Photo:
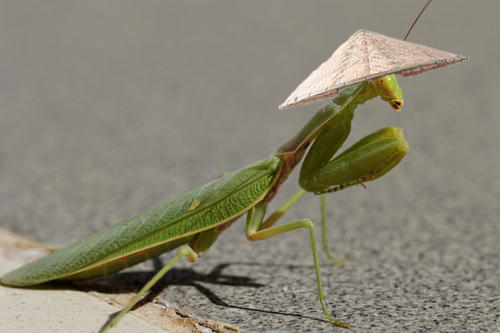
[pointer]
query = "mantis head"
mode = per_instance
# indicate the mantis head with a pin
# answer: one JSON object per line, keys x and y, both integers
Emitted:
{"x": 388, "y": 89}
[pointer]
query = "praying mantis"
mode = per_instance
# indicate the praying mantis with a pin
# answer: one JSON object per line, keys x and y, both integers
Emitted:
{"x": 192, "y": 222}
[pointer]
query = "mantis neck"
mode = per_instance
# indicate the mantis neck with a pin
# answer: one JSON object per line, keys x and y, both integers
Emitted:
{"x": 347, "y": 101}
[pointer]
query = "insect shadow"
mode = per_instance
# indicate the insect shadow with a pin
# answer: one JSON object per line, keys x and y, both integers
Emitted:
{"x": 131, "y": 282}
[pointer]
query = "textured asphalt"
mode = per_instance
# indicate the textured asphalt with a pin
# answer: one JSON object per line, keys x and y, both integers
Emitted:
{"x": 108, "y": 108}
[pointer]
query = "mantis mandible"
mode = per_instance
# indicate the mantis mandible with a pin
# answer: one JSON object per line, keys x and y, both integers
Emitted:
{"x": 192, "y": 222}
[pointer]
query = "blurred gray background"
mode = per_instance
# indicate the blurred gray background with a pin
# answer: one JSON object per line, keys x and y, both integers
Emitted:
{"x": 110, "y": 107}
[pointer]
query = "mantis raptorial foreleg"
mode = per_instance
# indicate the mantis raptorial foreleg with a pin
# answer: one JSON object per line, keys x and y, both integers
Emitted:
{"x": 368, "y": 159}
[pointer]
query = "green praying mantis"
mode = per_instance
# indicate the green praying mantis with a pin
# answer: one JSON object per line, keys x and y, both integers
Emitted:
{"x": 192, "y": 222}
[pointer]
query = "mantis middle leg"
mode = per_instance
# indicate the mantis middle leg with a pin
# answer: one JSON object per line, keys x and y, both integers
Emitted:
{"x": 292, "y": 201}
{"x": 255, "y": 232}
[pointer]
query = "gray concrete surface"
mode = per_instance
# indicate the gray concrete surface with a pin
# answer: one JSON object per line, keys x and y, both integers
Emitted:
{"x": 64, "y": 307}
{"x": 54, "y": 309}
{"x": 108, "y": 108}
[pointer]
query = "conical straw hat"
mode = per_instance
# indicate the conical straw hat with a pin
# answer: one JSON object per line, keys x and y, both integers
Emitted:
{"x": 364, "y": 56}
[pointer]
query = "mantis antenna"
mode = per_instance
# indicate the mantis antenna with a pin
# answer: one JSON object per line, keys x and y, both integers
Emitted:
{"x": 416, "y": 20}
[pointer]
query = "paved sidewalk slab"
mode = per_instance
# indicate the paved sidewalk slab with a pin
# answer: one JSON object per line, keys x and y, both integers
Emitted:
{"x": 46, "y": 309}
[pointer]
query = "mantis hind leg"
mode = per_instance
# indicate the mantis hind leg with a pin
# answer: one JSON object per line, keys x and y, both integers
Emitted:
{"x": 256, "y": 232}
{"x": 192, "y": 251}
{"x": 184, "y": 251}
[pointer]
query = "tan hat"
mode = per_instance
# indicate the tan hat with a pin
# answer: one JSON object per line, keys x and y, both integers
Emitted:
{"x": 364, "y": 56}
